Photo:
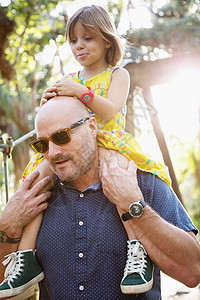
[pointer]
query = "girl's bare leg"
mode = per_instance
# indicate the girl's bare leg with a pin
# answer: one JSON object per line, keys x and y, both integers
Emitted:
{"x": 28, "y": 240}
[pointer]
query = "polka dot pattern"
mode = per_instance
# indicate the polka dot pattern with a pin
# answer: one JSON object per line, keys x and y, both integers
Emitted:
{"x": 81, "y": 243}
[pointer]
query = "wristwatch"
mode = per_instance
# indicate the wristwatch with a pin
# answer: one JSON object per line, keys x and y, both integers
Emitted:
{"x": 135, "y": 210}
{"x": 87, "y": 97}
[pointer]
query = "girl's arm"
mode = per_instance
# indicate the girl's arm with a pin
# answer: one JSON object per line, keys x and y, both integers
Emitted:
{"x": 105, "y": 108}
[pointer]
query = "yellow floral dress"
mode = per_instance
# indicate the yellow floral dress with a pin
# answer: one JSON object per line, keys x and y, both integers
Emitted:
{"x": 111, "y": 133}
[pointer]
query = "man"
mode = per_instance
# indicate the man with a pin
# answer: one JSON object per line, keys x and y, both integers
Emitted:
{"x": 81, "y": 243}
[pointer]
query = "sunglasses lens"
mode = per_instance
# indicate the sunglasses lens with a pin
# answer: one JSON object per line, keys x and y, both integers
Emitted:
{"x": 60, "y": 138}
{"x": 40, "y": 146}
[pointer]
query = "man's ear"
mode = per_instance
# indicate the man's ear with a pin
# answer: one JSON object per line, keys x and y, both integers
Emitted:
{"x": 93, "y": 126}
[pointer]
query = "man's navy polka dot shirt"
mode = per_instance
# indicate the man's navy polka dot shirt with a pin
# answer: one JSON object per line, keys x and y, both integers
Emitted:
{"x": 82, "y": 244}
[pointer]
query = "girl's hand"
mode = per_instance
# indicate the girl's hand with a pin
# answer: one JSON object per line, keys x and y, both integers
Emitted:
{"x": 48, "y": 94}
{"x": 67, "y": 87}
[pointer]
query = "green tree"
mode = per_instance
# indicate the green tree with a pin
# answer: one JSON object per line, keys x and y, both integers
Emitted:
{"x": 175, "y": 29}
{"x": 27, "y": 28}
{"x": 190, "y": 178}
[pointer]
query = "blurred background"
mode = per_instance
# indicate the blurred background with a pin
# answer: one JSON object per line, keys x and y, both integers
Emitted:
{"x": 162, "y": 55}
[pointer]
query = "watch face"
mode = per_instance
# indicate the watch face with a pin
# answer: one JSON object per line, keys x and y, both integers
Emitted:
{"x": 136, "y": 209}
{"x": 87, "y": 98}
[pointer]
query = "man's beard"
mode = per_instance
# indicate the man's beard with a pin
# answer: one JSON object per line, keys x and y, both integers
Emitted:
{"x": 83, "y": 160}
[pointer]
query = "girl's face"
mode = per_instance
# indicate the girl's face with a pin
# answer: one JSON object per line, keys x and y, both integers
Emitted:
{"x": 88, "y": 49}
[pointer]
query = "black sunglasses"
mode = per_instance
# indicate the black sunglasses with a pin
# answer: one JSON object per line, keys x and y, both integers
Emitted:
{"x": 60, "y": 137}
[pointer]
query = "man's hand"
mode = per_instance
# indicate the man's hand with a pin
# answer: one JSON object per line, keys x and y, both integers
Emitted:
{"x": 120, "y": 186}
{"x": 24, "y": 205}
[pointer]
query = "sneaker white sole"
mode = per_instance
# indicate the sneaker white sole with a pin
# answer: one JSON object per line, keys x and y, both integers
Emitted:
{"x": 138, "y": 289}
{"x": 32, "y": 290}
{"x": 22, "y": 288}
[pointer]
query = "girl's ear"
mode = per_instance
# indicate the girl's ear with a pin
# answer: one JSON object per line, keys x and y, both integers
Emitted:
{"x": 108, "y": 44}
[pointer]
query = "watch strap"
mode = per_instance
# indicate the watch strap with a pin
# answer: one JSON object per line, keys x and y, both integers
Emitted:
{"x": 126, "y": 216}
{"x": 90, "y": 93}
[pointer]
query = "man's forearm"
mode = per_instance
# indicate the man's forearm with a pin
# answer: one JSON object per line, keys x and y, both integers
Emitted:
{"x": 5, "y": 239}
{"x": 175, "y": 251}
{"x": 9, "y": 240}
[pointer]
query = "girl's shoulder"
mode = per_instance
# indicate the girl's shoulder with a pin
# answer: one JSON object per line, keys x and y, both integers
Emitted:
{"x": 117, "y": 68}
{"x": 111, "y": 70}
{"x": 119, "y": 73}
{"x": 108, "y": 72}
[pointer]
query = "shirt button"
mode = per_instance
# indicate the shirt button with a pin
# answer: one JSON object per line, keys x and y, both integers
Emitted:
{"x": 81, "y": 287}
{"x": 80, "y": 223}
{"x": 81, "y": 195}
{"x": 80, "y": 255}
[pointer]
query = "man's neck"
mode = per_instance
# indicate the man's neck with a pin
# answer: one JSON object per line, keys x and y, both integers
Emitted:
{"x": 86, "y": 180}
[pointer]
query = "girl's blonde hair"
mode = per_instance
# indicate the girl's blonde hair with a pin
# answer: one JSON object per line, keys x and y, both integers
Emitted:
{"x": 96, "y": 19}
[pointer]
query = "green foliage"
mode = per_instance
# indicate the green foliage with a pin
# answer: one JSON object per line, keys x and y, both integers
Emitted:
{"x": 175, "y": 28}
{"x": 189, "y": 177}
{"x": 115, "y": 8}
{"x": 175, "y": 35}
{"x": 35, "y": 28}
{"x": 38, "y": 25}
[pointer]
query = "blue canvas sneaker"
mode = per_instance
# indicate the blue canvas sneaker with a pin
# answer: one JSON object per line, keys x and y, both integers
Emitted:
{"x": 138, "y": 272}
{"x": 22, "y": 272}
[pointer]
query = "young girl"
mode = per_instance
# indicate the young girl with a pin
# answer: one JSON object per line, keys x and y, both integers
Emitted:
{"x": 103, "y": 88}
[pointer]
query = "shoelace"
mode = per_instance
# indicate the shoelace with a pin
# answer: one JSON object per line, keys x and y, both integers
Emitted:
{"x": 136, "y": 260}
{"x": 14, "y": 268}
{"x": 11, "y": 261}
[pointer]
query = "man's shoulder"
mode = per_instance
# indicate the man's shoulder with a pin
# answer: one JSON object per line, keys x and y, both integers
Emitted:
{"x": 153, "y": 187}
{"x": 148, "y": 180}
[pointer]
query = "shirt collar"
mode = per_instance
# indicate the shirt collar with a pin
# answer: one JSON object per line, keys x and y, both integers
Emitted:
{"x": 95, "y": 186}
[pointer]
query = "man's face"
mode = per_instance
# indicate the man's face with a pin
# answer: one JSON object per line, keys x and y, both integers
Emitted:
{"x": 75, "y": 159}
